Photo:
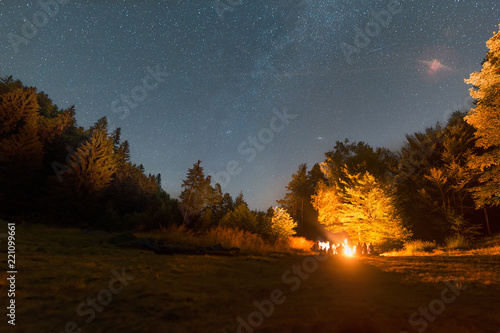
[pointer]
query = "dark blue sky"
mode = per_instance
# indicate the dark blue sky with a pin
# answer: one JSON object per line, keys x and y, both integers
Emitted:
{"x": 254, "y": 88}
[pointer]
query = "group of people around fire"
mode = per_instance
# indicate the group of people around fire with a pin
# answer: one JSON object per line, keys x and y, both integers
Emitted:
{"x": 341, "y": 249}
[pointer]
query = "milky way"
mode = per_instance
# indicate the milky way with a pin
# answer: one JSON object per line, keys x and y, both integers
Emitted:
{"x": 251, "y": 88}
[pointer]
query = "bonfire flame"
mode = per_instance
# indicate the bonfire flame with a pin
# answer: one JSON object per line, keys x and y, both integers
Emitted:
{"x": 348, "y": 251}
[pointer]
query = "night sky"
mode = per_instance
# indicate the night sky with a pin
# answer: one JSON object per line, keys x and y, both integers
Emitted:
{"x": 250, "y": 87}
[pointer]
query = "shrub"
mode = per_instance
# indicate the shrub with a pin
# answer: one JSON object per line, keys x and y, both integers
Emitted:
{"x": 457, "y": 242}
{"x": 301, "y": 244}
{"x": 248, "y": 242}
{"x": 419, "y": 246}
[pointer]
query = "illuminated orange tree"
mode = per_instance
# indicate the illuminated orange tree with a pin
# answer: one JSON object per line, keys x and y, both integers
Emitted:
{"x": 486, "y": 119}
{"x": 362, "y": 207}
{"x": 282, "y": 224}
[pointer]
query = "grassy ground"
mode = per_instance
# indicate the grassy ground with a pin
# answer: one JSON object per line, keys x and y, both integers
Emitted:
{"x": 60, "y": 269}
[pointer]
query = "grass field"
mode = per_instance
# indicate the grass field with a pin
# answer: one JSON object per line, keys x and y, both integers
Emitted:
{"x": 61, "y": 272}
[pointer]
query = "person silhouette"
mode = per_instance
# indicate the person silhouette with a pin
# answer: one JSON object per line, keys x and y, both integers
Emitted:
{"x": 371, "y": 250}
{"x": 359, "y": 249}
{"x": 340, "y": 249}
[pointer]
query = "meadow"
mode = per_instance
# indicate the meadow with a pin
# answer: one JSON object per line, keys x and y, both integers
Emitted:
{"x": 73, "y": 281}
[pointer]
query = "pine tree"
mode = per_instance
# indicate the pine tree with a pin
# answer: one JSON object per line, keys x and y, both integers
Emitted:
{"x": 197, "y": 192}
{"x": 485, "y": 118}
{"x": 297, "y": 201}
{"x": 20, "y": 144}
{"x": 298, "y": 191}
{"x": 92, "y": 165}
{"x": 240, "y": 200}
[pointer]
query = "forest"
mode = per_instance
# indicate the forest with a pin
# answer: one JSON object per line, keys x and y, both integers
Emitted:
{"x": 442, "y": 185}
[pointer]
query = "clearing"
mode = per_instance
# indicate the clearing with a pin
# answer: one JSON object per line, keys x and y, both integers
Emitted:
{"x": 66, "y": 275}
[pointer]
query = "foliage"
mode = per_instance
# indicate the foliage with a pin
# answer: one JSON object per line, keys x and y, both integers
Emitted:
{"x": 247, "y": 242}
{"x": 197, "y": 190}
{"x": 282, "y": 224}
{"x": 485, "y": 118}
{"x": 240, "y": 218}
{"x": 433, "y": 181}
{"x": 52, "y": 170}
{"x": 463, "y": 228}
{"x": 457, "y": 242}
{"x": 327, "y": 201}
{"x": 297, "y": 201}
{"x": 357, "y": 157}
{"x": 363, "y": 207}
{"x": 418, "y": 156}
{"x": 419, "y": 246}
{"x": 19, "y": 139}
{"x": 301, "y": 244}
{"x": 92, "y": 166}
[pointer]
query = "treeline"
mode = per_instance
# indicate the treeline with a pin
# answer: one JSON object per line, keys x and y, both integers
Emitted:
{"x": 55, "y": 172}
{"x": 205, "y": 206}
{"x": 444, "y": 182}
{"x": 423, "y": 191}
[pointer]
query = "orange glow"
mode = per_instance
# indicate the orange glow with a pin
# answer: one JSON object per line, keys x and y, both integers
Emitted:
{"x": 347, "y": 250}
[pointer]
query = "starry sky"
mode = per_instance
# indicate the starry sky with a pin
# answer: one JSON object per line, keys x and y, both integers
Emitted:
{"x": 251, "y": 88}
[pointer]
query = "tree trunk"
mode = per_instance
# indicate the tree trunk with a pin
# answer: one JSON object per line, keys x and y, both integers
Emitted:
{"x": 487, "y": 221}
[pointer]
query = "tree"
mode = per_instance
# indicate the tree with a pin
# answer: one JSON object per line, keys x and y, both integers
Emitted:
{"x": 240, "y": 218}
{"x": 297, "y": 201}
{"x": 21, "y": 150}
{"x": 354, "y": 158}
{"x": 298, "y": 191}
{"x": 240, "y": 200}
{"x": 20, "y": 144}
{"x": 327, "y": 202}
{"x": 361, "y": 206}
{"x": 197, "y": 192}
{"x": 282, "y": 224}
{"x": 421, "y": 153}
{"x": 92, "y": 165}
{"x": 368, "y": 212}
{"x": 448, "y": 187}
{"x": 485, "y": 118}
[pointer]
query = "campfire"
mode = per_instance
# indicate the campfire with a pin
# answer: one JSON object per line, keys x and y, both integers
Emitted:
{"x": 332, "y": 248}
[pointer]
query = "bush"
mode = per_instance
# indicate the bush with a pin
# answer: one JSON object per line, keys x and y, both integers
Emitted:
{"x": 419, "y": 246}
{"x": 248, "y": 242}
{"x": 301, "y": 244}
{"x": 457, "y": 242}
